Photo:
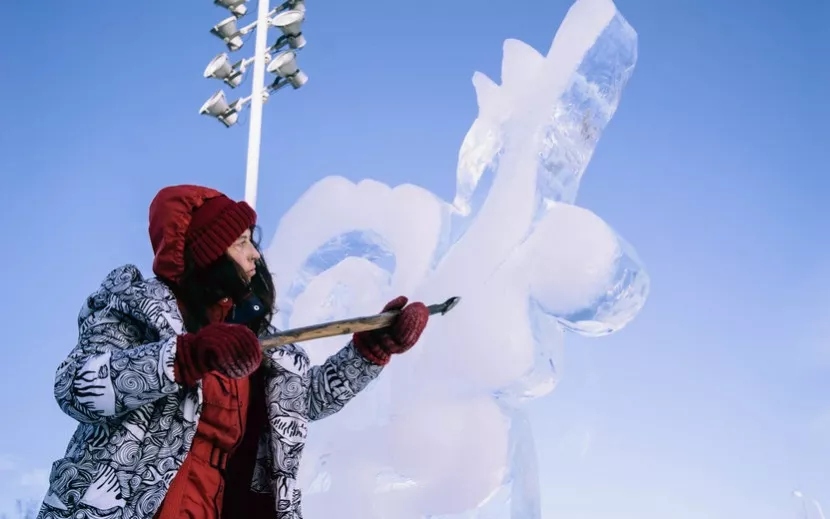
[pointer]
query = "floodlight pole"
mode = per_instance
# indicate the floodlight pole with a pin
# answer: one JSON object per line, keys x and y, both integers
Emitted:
{"x": 257, "y": 91}
{"x": 818, "y": 507}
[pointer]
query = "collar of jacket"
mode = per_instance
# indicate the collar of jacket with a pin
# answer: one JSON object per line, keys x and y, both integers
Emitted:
{"x": 246, "y": 310}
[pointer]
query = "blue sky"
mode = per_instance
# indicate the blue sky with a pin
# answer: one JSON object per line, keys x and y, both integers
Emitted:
{"x": 712, "y": 403}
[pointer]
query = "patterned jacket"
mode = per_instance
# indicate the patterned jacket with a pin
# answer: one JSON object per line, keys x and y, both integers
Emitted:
{"x": 137, "y": 424}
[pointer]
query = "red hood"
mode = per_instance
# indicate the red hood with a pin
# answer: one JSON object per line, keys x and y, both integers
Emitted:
{"x": 170, "y": 214}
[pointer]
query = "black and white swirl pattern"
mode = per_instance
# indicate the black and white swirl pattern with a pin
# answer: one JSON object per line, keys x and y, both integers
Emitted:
{"x": 131, "y": 441}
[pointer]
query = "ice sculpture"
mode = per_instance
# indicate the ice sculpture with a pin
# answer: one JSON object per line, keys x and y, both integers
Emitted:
{"x": 442, "y": 433}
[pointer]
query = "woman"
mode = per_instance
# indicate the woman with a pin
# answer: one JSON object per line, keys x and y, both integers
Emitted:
{"x": 180, "y": 415}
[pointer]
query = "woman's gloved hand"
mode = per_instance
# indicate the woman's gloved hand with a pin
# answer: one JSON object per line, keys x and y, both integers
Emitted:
{"x": 228, "y": 349}
{"x": 378, "y": 346}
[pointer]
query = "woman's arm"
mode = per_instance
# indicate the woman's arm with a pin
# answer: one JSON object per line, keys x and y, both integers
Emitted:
{"x": 338, "y": 380}
{"x": 113, "y": 369}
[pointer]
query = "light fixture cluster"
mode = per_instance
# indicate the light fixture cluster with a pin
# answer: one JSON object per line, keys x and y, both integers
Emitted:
{"x": 280, "y": 58}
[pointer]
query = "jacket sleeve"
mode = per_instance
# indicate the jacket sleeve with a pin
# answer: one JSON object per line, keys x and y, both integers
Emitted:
{"x": 338, "y": 380}
{"x": 114, "y": 369}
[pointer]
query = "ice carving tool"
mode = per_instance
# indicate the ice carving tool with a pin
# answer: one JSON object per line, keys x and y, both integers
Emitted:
{"x": 346, "y": 326}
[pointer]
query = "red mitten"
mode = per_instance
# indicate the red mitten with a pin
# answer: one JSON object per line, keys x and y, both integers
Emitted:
{"x": 229, "y": 349}
{"x": 379, "y": 345}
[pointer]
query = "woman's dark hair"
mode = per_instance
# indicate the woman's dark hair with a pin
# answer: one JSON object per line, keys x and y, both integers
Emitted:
{"x": 198, "y": 290}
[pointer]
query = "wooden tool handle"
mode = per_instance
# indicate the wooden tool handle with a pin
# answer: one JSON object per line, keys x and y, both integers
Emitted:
{"x": 346, "y": 326}
{"x": 320, "y": 331}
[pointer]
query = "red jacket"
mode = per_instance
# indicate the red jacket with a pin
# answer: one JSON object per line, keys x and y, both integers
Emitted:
{"x": 214, "y": 481}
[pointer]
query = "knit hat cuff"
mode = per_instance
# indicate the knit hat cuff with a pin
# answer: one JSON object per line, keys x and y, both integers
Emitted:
{"x": 209, "y": 243}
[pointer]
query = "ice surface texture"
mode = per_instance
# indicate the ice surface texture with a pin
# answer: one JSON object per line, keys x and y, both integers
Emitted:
{"x": 442, "y": 433}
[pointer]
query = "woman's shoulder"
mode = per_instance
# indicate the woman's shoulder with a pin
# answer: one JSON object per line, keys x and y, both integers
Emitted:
{"x": 126, "y": 292}
{"x": 126, "y": 283}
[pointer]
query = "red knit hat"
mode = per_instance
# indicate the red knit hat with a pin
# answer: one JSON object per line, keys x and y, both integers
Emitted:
{"x": 215, "y": 226}
{"x": 200, "y": 218}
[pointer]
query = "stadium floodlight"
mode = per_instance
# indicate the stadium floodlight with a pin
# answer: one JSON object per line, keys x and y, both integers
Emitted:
{"x": 237, "y": 7}
{"x": 217, "y": 106}
{"x": 221, "y": 68}
{"x": 290, "y": 23}
{"x": 284, "y": 65}
{"x": 288, "y": 17}
{"x": 227, "y": 31}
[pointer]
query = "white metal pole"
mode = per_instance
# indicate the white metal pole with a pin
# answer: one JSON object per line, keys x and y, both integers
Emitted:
{"x": 257, "y": 89}
{"x": 818, "y": 507}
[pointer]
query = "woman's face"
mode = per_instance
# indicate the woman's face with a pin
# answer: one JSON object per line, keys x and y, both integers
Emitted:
{"x": 244, "y": 254}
